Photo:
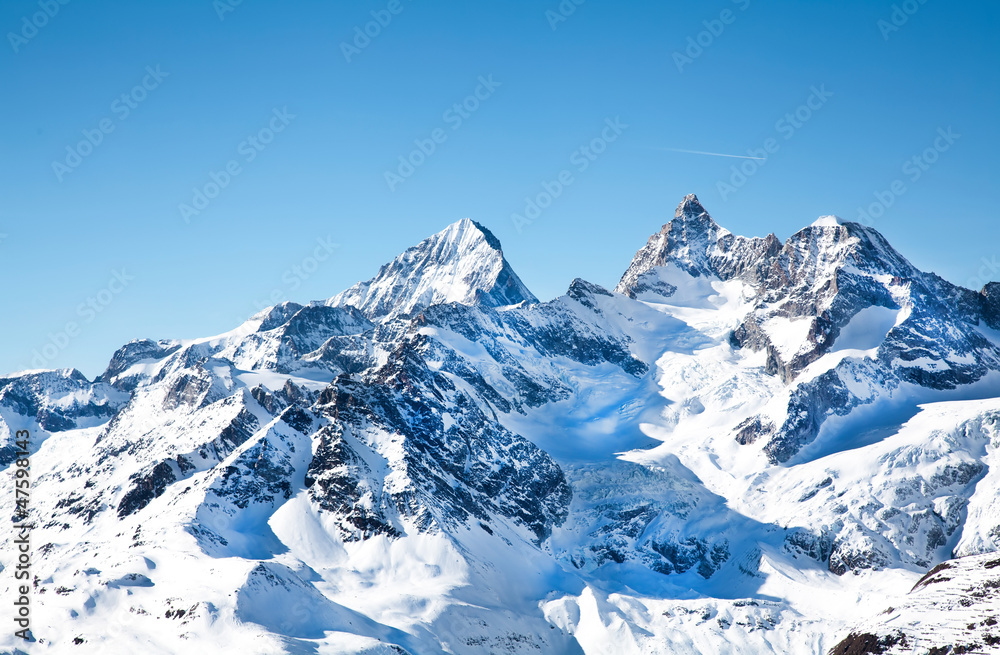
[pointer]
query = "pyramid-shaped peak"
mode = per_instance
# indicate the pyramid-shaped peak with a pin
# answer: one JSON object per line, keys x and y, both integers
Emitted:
{"x": 689, "y": 240}
{"x": 462, "y": 263}
{"x": 460, "y": 240}
{"x": 690, "y": 207}
{"x": 467, "y": 232}
{"x": 692, "y": 222}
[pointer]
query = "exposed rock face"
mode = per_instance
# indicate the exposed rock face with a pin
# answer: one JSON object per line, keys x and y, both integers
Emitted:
{"x": 146, "y": 487}
{"x": 628, "y": 514}
{"x": 451, "y": 462}
{"x": 52, "y": 401}
{"x": 954, "y": 608}
{"x": 990, "y": 302}
{"x": 133, "y": 353}
{"x": 692, "y": 240}
{"x": 698, "y": 246}
{"x": 435, "y": 460}
{"x": 806, "y": 292}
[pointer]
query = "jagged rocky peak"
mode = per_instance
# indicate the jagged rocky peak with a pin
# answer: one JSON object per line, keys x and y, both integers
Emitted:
{"x": 690, "y": 210}
{"x": 990, "y": 300}
{"x": 135, "y": 351}
{"x": 42, "y": 377}
{"x": 697, "y": 245}
{"x": 275, "y": 316}
{"x": 686, "y": 241}
{"x": 57, "y": 399}
{"x": 463, "y": 263}
{"x": 580, "y": 289}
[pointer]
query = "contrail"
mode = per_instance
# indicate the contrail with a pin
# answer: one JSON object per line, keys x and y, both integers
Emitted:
{"x": 714, "y": 154}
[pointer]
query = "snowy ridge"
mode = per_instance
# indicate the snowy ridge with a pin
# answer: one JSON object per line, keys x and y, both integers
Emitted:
{"x": 749, "y": 446}
{"x": 463, "y": 264}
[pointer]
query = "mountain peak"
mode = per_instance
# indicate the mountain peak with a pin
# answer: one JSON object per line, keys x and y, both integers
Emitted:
{"x": 690, "y": 207}
{"x": 687, "y": 241}
{"x": 844, "y": 241}
{"x": 828, "y": 221}
{"x": 693, "y": 224}
{"x": 463, "y": 237}
{"x": 462, "y": 263}
{"x": 692, "y": 220}
{"x": 487, "y": 235}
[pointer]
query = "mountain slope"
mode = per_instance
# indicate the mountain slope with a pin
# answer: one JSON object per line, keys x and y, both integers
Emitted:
{"x": 954, "y": 608}
{"x": 748, "y": 446}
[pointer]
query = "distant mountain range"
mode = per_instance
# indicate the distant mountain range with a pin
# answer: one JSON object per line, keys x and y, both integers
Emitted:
{"x": 748, "y": 446}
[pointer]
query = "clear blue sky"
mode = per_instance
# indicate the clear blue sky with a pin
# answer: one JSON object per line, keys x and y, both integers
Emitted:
{"x": 323, "y": 174}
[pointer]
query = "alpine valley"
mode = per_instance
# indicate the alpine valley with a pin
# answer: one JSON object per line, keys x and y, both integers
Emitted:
{"x": 747, "y": 446}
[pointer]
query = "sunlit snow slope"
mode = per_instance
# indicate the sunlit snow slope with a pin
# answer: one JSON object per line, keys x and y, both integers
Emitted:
{"x": 748, "y": 446}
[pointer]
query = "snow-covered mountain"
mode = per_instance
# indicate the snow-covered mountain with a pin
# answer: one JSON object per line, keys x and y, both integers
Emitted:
{"x": 462, "y": 264}
{"x": 748, "y": 446}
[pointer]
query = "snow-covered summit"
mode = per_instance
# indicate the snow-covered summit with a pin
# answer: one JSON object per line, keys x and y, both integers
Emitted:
{"x": 751, "y": 448}
{"x": 828, "y": 221}
{"x": 463, "y": 263}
